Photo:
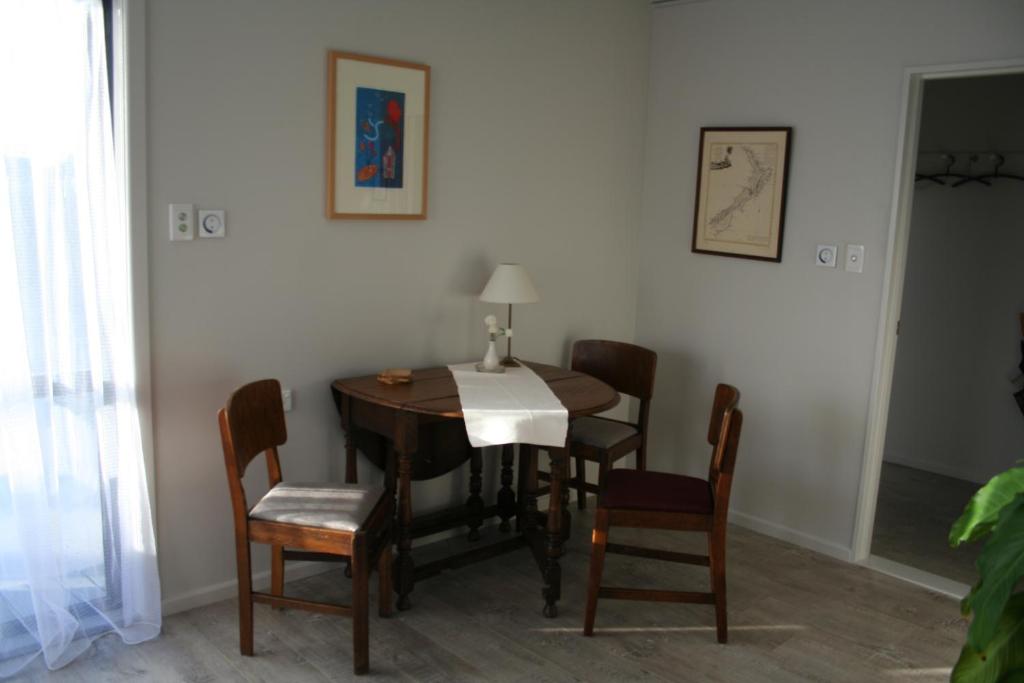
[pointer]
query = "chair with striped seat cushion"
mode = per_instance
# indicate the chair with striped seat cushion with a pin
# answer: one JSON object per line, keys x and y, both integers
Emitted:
{"x": 320, "y": 522}
{"x": 343, "y": 507}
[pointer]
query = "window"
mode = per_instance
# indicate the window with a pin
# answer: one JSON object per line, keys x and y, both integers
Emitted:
{"x": 77, "y": 555}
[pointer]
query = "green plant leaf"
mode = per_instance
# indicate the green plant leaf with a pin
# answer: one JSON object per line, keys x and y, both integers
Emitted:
{"x": 982, "y": 511}
{"x": 1001, "y": 565}
{"x": 965, "y": 604}
{"x": 1003, "y": 659}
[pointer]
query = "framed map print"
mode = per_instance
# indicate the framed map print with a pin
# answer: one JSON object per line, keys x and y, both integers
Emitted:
{"x": 741, "y": 192}
{"x": 378, "y": 112}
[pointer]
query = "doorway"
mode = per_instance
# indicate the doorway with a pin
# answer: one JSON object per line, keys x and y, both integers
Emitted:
{"x": 943, "y": 417}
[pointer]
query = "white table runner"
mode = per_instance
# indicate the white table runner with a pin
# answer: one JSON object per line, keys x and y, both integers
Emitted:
{"x": 511, "y": 407}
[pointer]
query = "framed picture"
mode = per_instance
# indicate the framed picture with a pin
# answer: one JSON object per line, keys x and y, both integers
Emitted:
{"x": 378, "y": 114}
{"x": 741, "y": 192}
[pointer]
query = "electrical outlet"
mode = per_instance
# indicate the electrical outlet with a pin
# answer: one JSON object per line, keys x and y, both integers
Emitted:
{"x": 181, "y": 219}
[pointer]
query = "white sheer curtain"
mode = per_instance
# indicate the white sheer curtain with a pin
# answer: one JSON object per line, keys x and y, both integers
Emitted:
{"x": 77, "y": 554}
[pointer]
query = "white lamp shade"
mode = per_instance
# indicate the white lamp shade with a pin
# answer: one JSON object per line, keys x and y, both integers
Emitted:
{"x": 510, "y": 284}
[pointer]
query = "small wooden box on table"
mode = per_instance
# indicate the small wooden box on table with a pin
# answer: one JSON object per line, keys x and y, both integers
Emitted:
{"x": 416, "y": 431}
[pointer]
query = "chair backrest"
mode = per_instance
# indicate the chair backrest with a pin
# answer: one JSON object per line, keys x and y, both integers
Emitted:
{"x": 252, "y": 422}
{"x": 627, "y": 368}
{"x": 724, "y": 429}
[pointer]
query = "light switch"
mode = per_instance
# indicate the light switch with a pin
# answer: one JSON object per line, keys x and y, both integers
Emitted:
{"x": 855, "y": 258}
{"x": 825, "y": 256}
{"x": 211, "y": 223}
{"x": 286, "y": 399}
{"x": 181, "y": 219}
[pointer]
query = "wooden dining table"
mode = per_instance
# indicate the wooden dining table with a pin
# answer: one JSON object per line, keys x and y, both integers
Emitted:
{"x": 415, "y": 432}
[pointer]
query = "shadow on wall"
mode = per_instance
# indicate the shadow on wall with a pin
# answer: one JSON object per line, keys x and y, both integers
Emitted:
{"x": 683, "y": 390}
{"x": 466, "y": 282}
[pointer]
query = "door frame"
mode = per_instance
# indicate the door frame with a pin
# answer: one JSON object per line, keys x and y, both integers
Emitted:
{"x": 914, "y": 80}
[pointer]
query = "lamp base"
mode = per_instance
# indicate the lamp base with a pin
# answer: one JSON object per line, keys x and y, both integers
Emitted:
{"x": 497, "y": 371}
{"x": 509, "y": 362}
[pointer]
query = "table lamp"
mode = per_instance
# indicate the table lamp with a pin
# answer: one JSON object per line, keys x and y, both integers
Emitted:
{"x": 509, "y": 284}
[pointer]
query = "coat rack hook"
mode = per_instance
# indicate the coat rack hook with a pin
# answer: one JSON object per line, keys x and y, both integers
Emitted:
{"x": 999, "y": 160}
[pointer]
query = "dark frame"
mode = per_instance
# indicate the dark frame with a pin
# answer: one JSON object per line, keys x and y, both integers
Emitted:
{"x": 788, "y": 132}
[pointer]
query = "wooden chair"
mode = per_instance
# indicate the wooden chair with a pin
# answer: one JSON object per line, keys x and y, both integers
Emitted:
{"x": 325, "y": 522}
{"x": 629, "y": 369}
{"x": 657, "y": 500}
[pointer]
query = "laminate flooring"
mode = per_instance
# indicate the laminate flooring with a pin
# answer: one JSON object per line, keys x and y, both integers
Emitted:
{"x": 912, "y": 520}
{"x": 795, "y": 615}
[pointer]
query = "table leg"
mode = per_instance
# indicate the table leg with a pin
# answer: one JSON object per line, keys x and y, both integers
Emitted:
{"x": 506, "y": 497}
{"x": 527, "y": 519}
{"x": 404, "y": 565}
{"x": 344, "y": 403}
{"x": 351, "y": 462}
{"x": 566, "y": 515}
{"x": 475, "y": 504}
{"x": 552, "y": 568}
{"x": 351, "y": 472}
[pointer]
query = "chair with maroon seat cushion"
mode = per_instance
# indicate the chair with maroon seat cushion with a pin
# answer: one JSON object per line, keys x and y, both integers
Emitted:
{"x": 657, "y": 491}
{"x": 658, "y": 500}
{"x": 629, "y": 369}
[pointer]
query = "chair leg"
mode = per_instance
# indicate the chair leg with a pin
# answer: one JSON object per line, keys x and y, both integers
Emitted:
{"x": 641, "y": 457}
{"x": 597, "y": 550}
{"x": 245, "y": 626}
{"x": 716, "y": 554}
{"x": 277, "y": 570}
{"x": 360, "y": 608}
{"x": 386, "y": 587}
{"x": 581, "y": 483}
{"x": 602, "y": 472}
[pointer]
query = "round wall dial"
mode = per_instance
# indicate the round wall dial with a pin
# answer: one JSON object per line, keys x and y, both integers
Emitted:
{"x": 211, "y": 223}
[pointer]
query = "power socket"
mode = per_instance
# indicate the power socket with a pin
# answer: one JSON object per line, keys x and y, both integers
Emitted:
{"x": 182, "y": 222}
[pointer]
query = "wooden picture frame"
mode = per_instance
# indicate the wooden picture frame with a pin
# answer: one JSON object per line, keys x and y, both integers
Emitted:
{"x": 740, "y": 202}
{"x": 378, "y": 116}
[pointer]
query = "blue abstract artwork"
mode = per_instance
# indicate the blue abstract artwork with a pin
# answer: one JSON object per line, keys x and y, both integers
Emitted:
{"x": 380, "y": 132}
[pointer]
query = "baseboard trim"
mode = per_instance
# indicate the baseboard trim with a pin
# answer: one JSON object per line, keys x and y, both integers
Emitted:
{"x": 933, "y": 468}
{"x": 224, "y": 590}
{"x": 206, "y": 595}
{"x": 784, "y": 533}
{"x": 918, "y": 577}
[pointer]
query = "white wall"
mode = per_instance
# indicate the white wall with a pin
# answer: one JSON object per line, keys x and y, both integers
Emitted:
{"x": 798, "y": 340}
{"x": 951, "y": 410}
{"x": 536, "y": 156}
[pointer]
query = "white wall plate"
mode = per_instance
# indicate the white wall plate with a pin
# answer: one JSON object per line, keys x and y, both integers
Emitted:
{"x": 855, "y": 258}
{"x": 181, "y": 220}
{"x": 825, "y": 255}
{"x": 211, "y": 223}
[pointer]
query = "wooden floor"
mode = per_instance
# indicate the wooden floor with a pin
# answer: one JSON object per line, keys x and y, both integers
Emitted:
{"x": 795, "y": 616}
{"x": 912, "y": 520}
